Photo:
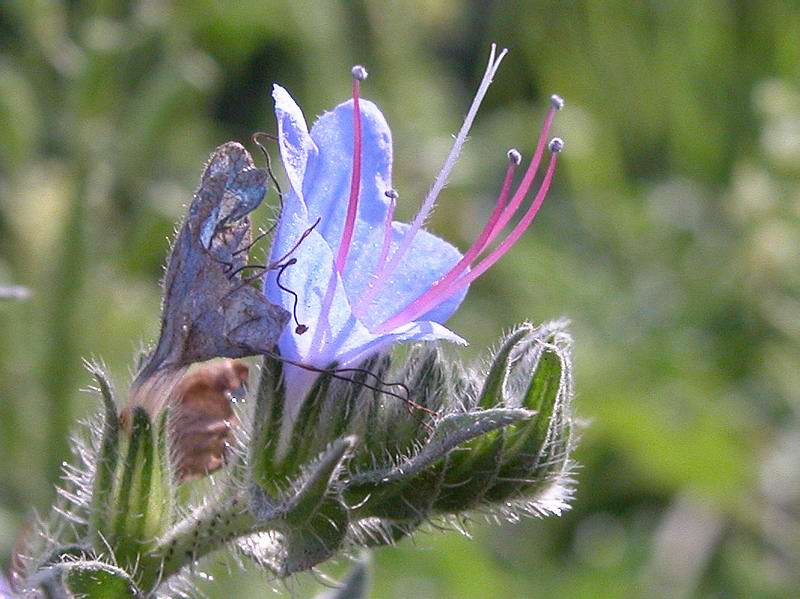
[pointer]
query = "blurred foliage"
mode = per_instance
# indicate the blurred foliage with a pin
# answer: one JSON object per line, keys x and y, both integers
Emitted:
{"x": 671, "y": 241}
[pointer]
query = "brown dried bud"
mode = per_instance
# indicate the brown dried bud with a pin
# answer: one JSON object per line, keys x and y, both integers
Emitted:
{"x": 204, "y": 418}
{"x": 210, "y": 309}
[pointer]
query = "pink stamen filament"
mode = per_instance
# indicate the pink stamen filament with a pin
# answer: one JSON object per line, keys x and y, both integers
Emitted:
{"x": 476, "y": 248}
{"x": 436, "y": 295}
{"x": 525, "y": 184}
{"x": 355, "y": 183}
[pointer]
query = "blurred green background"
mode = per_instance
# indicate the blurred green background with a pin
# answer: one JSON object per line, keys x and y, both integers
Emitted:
{"x": 671, "y": 240}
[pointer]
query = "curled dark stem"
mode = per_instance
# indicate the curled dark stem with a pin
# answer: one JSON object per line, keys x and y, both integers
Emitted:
{"x": 306, "y": 233}
{"x": 245, "y": 267}
{"x": 274, "y": 265}
{"x": 300, "y": 328}
{"x": 255, "y": 137}
{"x": 258, "y": 238}
{"x": 380, "y": 388}
{"x": 262, "y": 270}
{"x": 403, "y": 386}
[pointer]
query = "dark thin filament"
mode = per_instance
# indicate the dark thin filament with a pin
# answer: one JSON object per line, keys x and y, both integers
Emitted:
{"x": 255, "y": 138}
{"x": 334, "y": 373}
{"x": 245, "y": 267}
{"x": 275, "y": 265}
{"x": 258, "y": 238}
{"x": 300, "y": 328}
{"x": 303, "y": 237}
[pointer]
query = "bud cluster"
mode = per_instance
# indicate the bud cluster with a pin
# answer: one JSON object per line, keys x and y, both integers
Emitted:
{"x": 360, "y": 467}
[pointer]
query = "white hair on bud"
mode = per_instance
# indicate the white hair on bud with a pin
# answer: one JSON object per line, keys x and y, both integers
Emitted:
{"x": 359, "y": 72}
{"x": 556, "y": 145}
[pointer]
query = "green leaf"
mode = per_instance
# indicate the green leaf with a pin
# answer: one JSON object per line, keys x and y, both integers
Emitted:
{"x": 267, "y": 421}
{"x": 407, "y": 500}
{"x": 451, "y": 431}
{"x": 492, "y": 392}
{"x": 84, "y": 579}
{"x": 532, "y": 451}
{"x": 98, "y": 580}
{"x": 123, "y": 510}
{"x": 310, "y": 493}
{"x": 144, "y": 488}
{"x": 107, "y": 457}
{"x": 316, "y": 541}
{"x": 288, "y": 549}
{"x": 306, "y": 426}
{"x": 470, "y": 473}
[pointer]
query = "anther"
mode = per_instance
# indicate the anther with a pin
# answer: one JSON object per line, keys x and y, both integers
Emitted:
{"x": 557, "y": 101}
{"x": 556, "y": 145}
{"x": 514, "y": 156}
{"x": 391, "y": 194}
{"x": 359, "y": 72}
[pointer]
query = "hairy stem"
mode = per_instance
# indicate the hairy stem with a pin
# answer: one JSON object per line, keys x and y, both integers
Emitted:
{"x": 203, "y": 532}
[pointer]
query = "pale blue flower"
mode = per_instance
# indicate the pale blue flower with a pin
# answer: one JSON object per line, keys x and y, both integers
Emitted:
{"x": 5, "y": 588}
{"x": 362, "y": 281}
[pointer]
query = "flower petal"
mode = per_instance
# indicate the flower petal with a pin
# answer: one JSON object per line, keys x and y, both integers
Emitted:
{"x": 298, "y": 150}
{"x": 328, "y": 192}
{"x": 319, "y": 166}
{"x": 355, "y": 349}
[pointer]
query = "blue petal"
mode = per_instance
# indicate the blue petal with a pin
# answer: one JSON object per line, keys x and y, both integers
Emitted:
{"x": 325, "y": 190}
{"x": 297, "y": 147}
{"x": 328, "y": 194}
{"x": 298, "y": 381}
{"x": 428, "y": 259}
{"x": 334, "y": 334}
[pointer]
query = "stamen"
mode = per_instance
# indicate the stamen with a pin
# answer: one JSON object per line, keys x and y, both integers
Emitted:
{"x": 514, "y": 159}
{"x": 387, "y": 228}
{"x": 441, "y": 179}
{"x": 253, "y": 243}
{"x": 441, "y": 293}
{"x": 300, "y": 328}
{"x": 245, "y": 267}
{"x": 556, "y": 104}
{"x": 359, "y": 74}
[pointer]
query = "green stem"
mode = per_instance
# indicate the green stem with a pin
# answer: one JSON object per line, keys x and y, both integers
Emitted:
{"x": 208, "y": 529}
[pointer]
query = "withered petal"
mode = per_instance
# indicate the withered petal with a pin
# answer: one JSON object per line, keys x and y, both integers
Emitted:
{"x": 210, "y": 310}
